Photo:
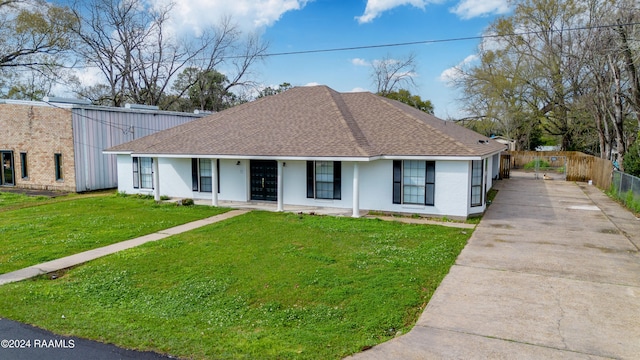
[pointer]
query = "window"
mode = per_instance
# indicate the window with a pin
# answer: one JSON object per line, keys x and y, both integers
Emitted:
{"x": 142, "y": 173}
{"x": 323, "y": 179}
{"x": 23, "y": 165}
{"x": 476, "y": 182}
{"x": 58, "y": 166}
{"x": 414, "y": 182}
{"x": 202, "y": 175}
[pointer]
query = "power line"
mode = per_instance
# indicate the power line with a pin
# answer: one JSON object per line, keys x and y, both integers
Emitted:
{"x": 410, "y": 43}
{"x": 445, "y": 40}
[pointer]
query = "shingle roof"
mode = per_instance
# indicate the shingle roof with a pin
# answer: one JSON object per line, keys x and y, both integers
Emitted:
{"x": 317, "y": 122}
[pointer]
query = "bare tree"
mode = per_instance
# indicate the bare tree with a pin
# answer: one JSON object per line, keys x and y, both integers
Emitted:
{"x": 139, "y": 58}
{"x": 391, "y": 74}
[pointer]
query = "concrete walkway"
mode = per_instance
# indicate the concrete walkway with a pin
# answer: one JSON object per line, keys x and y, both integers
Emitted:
{"x": 551, "y": 272}
{"x": 89, "y": 255}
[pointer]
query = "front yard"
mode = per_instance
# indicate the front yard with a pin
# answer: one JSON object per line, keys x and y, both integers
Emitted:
{"x": 261, "y": 285}
{"x": 37, "y": 229}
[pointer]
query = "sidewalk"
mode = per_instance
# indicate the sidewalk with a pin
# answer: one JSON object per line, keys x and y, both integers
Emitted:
{"x": 89, "y": 255}
{"x": 551, "y": 272}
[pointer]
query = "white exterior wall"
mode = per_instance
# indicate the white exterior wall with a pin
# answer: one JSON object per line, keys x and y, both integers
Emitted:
{"x": 376, "y": 189}
{"x": 175, "y": 177}
{"x": 452, "y": 185}
{"x": 295, "y": 186}
{"x": 124, "y": 166}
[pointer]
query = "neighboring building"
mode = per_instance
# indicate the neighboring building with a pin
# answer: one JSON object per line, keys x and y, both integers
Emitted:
{"x": 57, "y": 145}
{"x": 548, "y": 148}
{"x": 511, "y": 144}
{"x": 313, "y": 146}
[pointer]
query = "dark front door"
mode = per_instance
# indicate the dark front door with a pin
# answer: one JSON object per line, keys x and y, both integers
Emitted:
{"x": 264, "y": 180}
{"x": 7, "y": 168}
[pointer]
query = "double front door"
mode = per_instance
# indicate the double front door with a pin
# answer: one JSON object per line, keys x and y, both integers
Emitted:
{"x": 8, "y": 174}
{"x": 264, "y": 180}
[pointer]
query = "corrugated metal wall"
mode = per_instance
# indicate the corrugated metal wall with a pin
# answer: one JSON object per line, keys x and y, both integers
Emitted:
{"x": 96, "y": 129}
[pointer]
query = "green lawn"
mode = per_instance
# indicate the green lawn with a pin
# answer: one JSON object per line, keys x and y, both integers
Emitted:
{"x": 12, "y": 200}
{"x": 35, "y": 230}
{"x": 261, "y": 285}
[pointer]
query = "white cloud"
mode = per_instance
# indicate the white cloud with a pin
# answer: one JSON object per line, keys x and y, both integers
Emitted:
{"x": 359, "y": 89}
{"x": 376, "y": 7}
{"x": 450, "y": 75}
{"x": 248, "y": 14}
{"x": 313, "y": 83}
{"x": 468, "y": 9}
{"x": 360, "y": 62}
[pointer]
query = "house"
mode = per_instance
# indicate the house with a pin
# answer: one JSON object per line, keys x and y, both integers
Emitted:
{"x": 511, "y": 144}
{"x": 313, "y": 146}
{"x": 57, "y": 144}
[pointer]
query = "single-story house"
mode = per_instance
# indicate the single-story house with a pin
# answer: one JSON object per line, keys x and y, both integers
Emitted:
{"x": 313, "y": 146}
{"x": 57, "y": 144}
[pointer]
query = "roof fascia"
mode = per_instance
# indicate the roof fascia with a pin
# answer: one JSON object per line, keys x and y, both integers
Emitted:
{"x": 250, "y": 157}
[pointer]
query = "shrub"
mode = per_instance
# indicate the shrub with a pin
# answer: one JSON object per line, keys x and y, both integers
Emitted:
{"x": 631, "y": 160}
{"x": 532, "y": 164}
{"x": 186, "y": 202}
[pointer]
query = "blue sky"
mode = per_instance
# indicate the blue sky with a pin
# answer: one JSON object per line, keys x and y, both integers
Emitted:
{"x": 325, "y": 24}
{"x": 299, "y": 25}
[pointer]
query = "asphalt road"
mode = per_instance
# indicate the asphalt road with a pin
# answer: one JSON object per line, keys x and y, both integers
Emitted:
{"x": 24, "y": 342}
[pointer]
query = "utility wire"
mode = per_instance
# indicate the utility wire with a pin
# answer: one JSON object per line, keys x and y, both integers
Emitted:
{"x": 419, "y": 42}
{"x": 445, "y": 40}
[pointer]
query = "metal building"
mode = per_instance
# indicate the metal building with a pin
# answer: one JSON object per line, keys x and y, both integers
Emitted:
{"x": 57, "y": 144}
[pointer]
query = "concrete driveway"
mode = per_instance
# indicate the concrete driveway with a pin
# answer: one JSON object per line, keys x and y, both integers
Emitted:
{"x": 551, "y": 272}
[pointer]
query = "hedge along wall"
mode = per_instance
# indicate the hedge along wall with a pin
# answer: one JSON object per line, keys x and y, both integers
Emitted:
{"x": 580, "y": 166}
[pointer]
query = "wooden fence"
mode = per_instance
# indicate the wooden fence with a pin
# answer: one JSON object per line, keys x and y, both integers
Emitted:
{"x": 580, "y": 166}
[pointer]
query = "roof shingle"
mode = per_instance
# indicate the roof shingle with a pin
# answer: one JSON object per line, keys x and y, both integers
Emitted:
{"x": 317, "y": 122}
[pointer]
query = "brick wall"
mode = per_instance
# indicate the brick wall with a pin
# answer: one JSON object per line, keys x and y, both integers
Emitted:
{"x": 41, "y": 132}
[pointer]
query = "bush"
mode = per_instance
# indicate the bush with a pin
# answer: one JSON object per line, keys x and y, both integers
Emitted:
{"x": 631, "y": 160}
{"x": 186, "y": 202}
{"x": 532, "y": 164}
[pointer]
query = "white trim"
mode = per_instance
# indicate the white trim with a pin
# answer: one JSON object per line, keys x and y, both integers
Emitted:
{"x": 280, "y": 187}
{"x": 214, "y": 181}
{"x": 311, "y": 158}
{"x": 356, "y": 191}
{"x": 107, "y": 152}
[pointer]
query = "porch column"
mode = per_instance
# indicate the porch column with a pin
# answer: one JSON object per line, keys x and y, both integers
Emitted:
{"x": 214, "y": 182}
{"x": 280, "y": 187}
{"x": 356, "y": 191}
{"x": 156, "y": 179}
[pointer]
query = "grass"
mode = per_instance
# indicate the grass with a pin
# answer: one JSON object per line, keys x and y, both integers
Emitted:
{"x": 38, "y": 230}
{"x": 12, "y": 200}
{"x": 628, "y": 199}
{"x": 261, "y": 285}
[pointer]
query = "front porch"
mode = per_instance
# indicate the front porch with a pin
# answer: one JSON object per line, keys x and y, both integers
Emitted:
{"x": 273, "y": 206}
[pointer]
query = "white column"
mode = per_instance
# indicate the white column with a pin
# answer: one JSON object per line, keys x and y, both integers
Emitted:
{"x": 214, "y": 182}
{"x": 356, "y": 191}
{"x": 280, "y": 187}
{"x": 156, "y": 179}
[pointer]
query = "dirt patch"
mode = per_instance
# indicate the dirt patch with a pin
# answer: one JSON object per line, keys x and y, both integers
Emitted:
{"x": 609, "y": 231}
{"x": 30, "y": 192}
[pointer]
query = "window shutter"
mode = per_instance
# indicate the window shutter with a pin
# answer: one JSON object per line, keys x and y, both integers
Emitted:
{"x": 337, "y": 180}
{"x": 397, "y": 181}
{"x": 430, "y": 183}
{"x": 136, "y": 174}
{"x": 310, "y": 180}
{"x": 218, "y": 173}
{"x": 194, "y": 174}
